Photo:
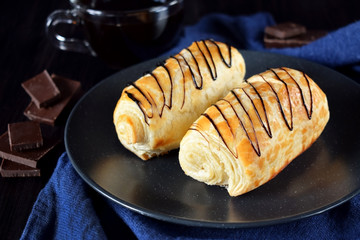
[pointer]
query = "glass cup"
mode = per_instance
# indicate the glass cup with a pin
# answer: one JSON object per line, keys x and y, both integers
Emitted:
{"x": 119, "y": 32}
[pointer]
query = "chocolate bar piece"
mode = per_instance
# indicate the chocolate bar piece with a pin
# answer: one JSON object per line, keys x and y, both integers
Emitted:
{"x": 303, "y": 39}
{"x": 13, "y": 169}
{"x": 68, "y": 88}
{"x": 24, "y": 135}
{"x": 42, "y": 89}
{"x": 285, "y": 30}
{"x": 30, "y": 157}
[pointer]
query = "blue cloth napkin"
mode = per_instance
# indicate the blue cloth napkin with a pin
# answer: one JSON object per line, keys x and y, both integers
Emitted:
{"x": 67, "y": 208}
{"x": 338, "y": 48}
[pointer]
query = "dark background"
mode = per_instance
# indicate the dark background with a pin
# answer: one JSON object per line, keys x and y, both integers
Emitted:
{"x": 315, "y": 14}
{"x": 25, "y": 52}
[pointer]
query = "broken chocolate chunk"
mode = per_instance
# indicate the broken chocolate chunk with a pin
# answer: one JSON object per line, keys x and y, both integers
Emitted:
{"x": 24, "y": 135}
{"x": 301, "y": 40}
{"x": 42, "y": 89}
{"x": 13, "y": 169}
{"x": 69, "y": 89}
{"x": 285, "y": 30}
{"x": 30, "y": 157}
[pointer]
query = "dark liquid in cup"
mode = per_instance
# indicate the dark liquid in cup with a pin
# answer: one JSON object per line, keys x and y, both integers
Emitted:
{"x": 124, "y": 41}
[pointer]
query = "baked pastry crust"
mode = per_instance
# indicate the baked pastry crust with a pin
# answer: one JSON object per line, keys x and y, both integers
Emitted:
{"x": 248, "y": 137}
{"x": 154, "y": 113}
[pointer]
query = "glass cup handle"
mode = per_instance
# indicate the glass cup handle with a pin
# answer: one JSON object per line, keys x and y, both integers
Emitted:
{"x": 61, "y": 42}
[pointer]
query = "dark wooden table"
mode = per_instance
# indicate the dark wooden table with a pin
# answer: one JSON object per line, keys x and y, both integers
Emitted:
{"x": 25, "y": 52}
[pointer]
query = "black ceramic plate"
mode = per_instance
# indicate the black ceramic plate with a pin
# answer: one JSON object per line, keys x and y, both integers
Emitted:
{"x": 324, "y": 176}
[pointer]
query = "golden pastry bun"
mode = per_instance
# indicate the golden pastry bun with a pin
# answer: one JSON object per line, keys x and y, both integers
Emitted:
{"x": 154, "y": 113}
{"x": 249, "y": 136}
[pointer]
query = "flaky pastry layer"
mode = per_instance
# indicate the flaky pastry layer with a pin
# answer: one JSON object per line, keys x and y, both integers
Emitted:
{"x": 249, "y": 136}
{"x": 154, "y": 113}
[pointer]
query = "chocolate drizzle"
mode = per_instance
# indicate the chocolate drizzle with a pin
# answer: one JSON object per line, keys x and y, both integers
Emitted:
{"x": 279, "y": 103}
{"x": 213, "y": 74}
{"x": 218, "y": 131}
{"x": 221, "y": 55}
{"x": 191, "y": 71}
{"x": 169, "y": 106}
{"x": 183, "y": 80}
{"x": 264, "y": 123}
{"x": 267, "y": 127}
{"x": 308, "y": 111}
{"x": 138, "y": 102}
{"x": 201, "y": 133}
{"x": 257, "y": 148}
{"x": 198, "y": 84}
{"x": 291, "y": 125}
